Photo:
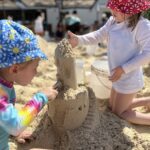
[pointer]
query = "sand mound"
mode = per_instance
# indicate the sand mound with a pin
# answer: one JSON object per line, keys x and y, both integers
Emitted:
{"x": 101, "y": 131}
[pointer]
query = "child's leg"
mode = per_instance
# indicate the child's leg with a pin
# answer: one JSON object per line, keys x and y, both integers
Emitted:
{"x": 136, "y": 117}
{"x": 112, "y": 99}
{"x": 123, "y": 104}
{"x": 143, "y": 101}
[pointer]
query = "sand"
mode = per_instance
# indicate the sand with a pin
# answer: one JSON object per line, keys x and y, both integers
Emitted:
{"x": 101, "y": 130}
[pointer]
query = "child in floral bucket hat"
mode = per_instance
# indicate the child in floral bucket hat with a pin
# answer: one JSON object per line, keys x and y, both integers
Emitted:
{"x": 127, "y": 34}
{"x": 19, "y": 57}
{"x": 17, "y": 44}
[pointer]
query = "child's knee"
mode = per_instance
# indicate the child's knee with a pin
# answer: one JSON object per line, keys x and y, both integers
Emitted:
{"x": 119, "y": 112}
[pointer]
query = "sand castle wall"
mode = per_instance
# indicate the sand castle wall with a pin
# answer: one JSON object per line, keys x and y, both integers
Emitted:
{"x": 70, "y": 108}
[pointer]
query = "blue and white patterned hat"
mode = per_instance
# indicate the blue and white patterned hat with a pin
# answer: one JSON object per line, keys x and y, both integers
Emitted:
{"x": 17, "y": 44}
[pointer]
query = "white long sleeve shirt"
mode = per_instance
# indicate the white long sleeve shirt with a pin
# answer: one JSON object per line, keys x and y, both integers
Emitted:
{"x": 126, "y": 48}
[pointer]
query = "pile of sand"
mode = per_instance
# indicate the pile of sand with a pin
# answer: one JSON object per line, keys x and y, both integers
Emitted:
{"x": 105, "y": 132}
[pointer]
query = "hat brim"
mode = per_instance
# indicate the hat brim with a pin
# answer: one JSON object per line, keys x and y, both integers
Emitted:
{"x": 43, "y": 44}
{"x": 28, "y": 56}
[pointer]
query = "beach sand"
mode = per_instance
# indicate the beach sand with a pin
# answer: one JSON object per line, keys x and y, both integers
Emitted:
{"x": 105, "y": 132}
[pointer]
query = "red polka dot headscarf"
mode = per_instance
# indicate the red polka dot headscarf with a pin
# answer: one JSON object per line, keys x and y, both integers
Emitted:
{"x": 129, "y": 6}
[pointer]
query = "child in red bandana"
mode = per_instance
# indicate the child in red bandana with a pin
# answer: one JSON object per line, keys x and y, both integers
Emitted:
{"x": 128, "y": 47}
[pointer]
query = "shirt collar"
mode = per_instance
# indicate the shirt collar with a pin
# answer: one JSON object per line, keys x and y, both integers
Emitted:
{"x": 6, "y": 83}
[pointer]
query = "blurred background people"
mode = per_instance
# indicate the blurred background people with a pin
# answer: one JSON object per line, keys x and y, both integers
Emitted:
{"x": 9, "y": 17}
{"x": 59, "y": 31}
{"x": 38, "y": 23}
{"x": 72, "y": 22}
{"x": 95, "y": 26}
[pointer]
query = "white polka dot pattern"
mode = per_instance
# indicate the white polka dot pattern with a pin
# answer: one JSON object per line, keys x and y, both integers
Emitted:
{"x": 129, "y": 6}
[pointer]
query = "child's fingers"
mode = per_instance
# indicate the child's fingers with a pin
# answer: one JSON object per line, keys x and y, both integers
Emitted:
{"x": 25, "y": 139}
{"x": 114, "y": 77}
{"x": 117, "y": 72}
{"x": 53, "y": 95}
{"x": 73, "y": 39}
{"x": 70, "y": 35}
{"x": 21, "y": 140}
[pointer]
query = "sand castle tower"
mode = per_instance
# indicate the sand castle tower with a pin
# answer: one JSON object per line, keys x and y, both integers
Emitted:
{"x": 75, "y": 105}
{"x": 70, "y": 108}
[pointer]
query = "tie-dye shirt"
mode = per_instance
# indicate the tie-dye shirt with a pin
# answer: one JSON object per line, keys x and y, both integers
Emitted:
{"x": 13, "y": 121}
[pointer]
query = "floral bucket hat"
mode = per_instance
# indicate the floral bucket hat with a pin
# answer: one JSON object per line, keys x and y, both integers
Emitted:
{"x": 129, "y": 6}
{"x": 17, "y": 44}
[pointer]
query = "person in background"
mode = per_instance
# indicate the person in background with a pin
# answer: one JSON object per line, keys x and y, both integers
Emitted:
{"x": 59, "y": 31}
{"x": 128, "y": 47}
{"x": 38, "y": 24}
{"x": 19, "y": 58}
{"x": 72, "y": 22}
{"x": 9, "y": 17}
{"x": 77, "y": 22}
{"x": 95, "y": 25}
{"x": 66, "y": 20}
{"x": 104, "y": 19}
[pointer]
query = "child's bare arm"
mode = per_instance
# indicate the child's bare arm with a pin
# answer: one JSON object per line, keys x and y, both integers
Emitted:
{"x": 14, "y": 121}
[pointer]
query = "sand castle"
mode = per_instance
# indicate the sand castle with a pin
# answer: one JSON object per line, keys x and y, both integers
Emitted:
{"x": 101, "y": 129}
{"x": 71, "y": 107}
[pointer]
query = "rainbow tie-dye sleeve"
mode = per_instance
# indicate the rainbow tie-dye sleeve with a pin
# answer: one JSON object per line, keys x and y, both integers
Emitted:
{"x": 15, "y": 121}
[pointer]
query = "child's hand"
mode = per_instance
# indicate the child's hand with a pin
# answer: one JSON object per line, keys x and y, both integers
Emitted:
{"x": 73, "y": 39}
{"x": 51, "y": 93}
{"x": 117, "y": 73}
{"x": 24, "y": 137}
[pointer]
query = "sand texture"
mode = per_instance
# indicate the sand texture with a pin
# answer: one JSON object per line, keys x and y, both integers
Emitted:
{"x": 65, "y": 63}
{"x": 101, "y": 130}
